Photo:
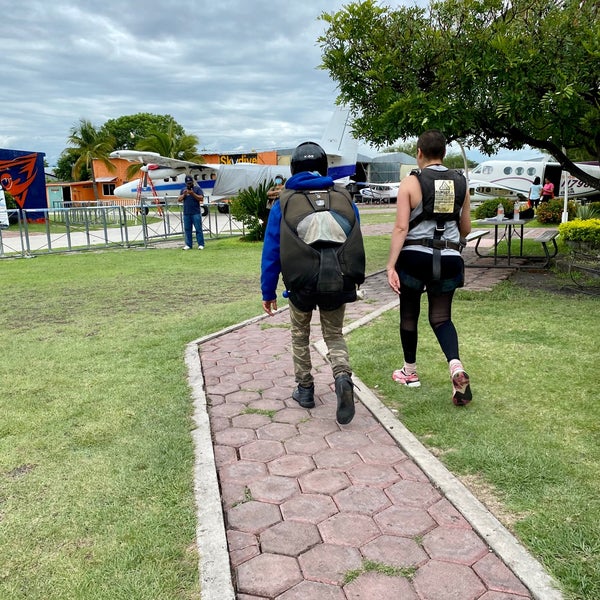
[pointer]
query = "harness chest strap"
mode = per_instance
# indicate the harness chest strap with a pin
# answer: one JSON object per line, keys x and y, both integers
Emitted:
{"x": 436, "y": 244}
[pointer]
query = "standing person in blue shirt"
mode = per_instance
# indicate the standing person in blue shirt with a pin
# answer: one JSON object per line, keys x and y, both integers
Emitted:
{"x": 313, "y": 239}
{"x": 535, "y": 193}
{"x": 192, "y": 197}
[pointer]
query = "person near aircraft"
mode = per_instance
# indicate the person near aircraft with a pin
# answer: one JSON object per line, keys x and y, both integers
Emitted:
{"x": 313, "y": 228}
{"x": 547, "y": 190}
{"x": 192, "y": 197}
{"x": 535, "y": 193}
{"x": 432, "y": 213}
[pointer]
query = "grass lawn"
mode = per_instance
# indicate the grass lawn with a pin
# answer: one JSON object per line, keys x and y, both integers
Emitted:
{"x": 96, "y": 498}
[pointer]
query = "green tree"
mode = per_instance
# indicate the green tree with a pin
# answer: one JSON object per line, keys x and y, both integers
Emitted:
{"x": 64, "y": 166}
{"x": 490, "y": 73}
{"x": 129, "y": 130}
{"x": 172, "y": 143}
{"x": 86, "y": 144}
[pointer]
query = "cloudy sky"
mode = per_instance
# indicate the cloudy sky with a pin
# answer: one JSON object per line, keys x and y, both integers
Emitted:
{"x": 240, "y": 74}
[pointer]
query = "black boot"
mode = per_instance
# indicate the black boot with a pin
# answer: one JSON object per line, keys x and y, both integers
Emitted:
{"x": 305, "y": 396}
{"x": 345, "y": 398}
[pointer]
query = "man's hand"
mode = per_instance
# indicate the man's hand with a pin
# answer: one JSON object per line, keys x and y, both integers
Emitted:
{"x": 269, "y": 306}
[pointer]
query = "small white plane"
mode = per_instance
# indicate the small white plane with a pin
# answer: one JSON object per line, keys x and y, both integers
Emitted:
{"x": 512, "y": 179}
{"x": 220, "y": 181}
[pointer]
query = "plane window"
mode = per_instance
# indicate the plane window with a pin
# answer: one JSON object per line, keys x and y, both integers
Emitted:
{"x": 519, "y": 170}
{"x": 487, "y": 170}
{"x": 531, "y": 171}
{"x": 507, "y": 170}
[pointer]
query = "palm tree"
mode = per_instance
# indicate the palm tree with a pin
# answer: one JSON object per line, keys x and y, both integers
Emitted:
{"x": 169, "y": 144}
{"x": 87, "y": 143}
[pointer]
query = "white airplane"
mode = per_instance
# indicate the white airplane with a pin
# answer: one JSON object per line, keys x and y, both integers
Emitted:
{"x": 220, "y": 181}
{"x": 380, "y": 192}
{"x": 512, "y": 179}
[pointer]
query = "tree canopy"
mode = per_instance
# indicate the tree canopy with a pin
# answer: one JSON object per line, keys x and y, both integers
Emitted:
{"x": 128, "y": 131}
{"x": 490, "y": 73}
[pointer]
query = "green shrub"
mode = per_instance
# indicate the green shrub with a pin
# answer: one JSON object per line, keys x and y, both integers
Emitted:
{"x": 250, "y": 207}
{"x": 580, "y": 230}
{"x": 489, "y": 208}
{"x": 11, "y": 203}
{"x": 586, "y": 211}
{"x": 551, "y": 211}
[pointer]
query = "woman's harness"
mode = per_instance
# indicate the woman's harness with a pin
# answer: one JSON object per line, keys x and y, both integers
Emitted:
{"x": 443, "y": 194}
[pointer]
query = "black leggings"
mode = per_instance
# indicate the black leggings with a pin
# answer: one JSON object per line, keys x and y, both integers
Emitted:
{"x": 440, "y": 319}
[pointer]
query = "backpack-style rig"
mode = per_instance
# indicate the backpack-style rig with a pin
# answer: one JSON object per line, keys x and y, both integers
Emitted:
{"x": 321, "y": 245}
{"x": 443, "y": 196}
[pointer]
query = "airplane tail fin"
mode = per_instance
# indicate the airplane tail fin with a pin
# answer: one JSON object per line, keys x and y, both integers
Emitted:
{"x": 340, "y": 145}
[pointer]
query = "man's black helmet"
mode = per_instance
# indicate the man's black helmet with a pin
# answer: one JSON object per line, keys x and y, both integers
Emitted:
{"x": 309, "y": 156}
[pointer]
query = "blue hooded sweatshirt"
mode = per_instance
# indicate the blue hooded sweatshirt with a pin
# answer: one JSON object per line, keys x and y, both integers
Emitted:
{"x": 271, "y": 261}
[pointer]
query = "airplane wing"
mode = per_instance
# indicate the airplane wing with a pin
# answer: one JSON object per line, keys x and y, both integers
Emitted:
{"x": 154, "y": 158}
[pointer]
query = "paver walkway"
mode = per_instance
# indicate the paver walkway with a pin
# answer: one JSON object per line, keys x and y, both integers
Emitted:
{"x": 309, "y": 506}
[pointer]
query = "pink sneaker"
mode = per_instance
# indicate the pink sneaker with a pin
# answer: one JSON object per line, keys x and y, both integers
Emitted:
{"x": 462, "y": 390}
{"x": 411, "y": 380}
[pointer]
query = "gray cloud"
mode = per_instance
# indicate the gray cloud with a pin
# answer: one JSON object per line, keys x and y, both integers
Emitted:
{"x": 240, "y": 75}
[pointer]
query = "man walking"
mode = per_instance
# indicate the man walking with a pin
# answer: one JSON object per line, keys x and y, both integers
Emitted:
{"x": 313, "y": 239}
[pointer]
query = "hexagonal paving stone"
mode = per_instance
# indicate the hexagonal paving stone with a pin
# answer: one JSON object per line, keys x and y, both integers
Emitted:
{"x": 232, "y": 493}
{"x": 268, "y": 575}
{"x": 262, "y": 450}
{"x": 361, "y": 499}
{"x": 266, "y": 404}
{"x": 311, "y": 590}
{"x": 242, "y": 547}
{"x": 253, "y": 517}
{"x": 243, "y": 471}
{"x": 320, "y": 427}
{"x": 234, "y": 437}
{"x": 446, "y": 581}
{"x": 395, "y": 551}
{"x": 404, "y": 520}
{"x": 243, "y": 396}
{"x": 347, "y": 440}
{"x": 381, "y": 454}
{"x": 328, "y": 563}
{"x": 323, "y": 481}
{"x": 497, "y": 576}
{"x": 454, "y": 545}
{"x": 250, "y": 421}
{"x": 331, "y": 458}
{"x": 292, "y": 415}
{"x": 349, "y": 529}
{"x": 291, "y": 538}
{"x": 408, "y": 470}
{"x": 305, "y": 444}
{"x": 413, "y": 493}
{"x": 274, "y": 489}
{"x": 227, "y": 410}
{"x": 224, "y": 455}
{"x": 277, "y": 431}
{"x": 309, "y": 508}
{"x": 445, "y": 514}
{"x": 376, "y": 586}
{"x": 381, "y": 476}
{"x": 291, "y": 465}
